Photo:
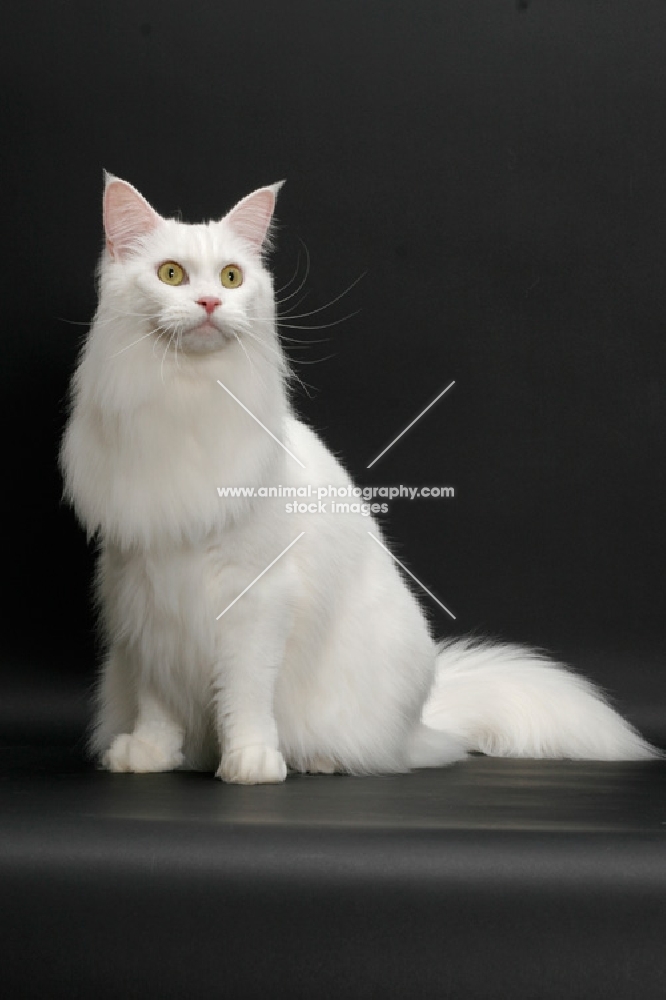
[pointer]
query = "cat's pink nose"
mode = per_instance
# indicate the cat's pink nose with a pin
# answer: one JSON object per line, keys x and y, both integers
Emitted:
{"x": 210, "y": 303}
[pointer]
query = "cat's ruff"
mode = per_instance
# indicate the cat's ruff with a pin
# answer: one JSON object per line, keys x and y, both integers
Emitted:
{"x": 326, "y": 663}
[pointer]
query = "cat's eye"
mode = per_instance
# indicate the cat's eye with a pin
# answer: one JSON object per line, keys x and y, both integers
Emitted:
{"x": 171, "y": 273}
{"x": 231, "y": 276}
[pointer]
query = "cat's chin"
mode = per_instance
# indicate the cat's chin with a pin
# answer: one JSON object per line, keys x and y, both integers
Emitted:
{"x": 204, "y": 339}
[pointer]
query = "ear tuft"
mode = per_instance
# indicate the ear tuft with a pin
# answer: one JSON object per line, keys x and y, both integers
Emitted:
{"x": 127, "y": 216}
{"x": 251, "y": 218}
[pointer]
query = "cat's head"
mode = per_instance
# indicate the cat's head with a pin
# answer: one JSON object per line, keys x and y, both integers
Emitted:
{"x": 198, "y": 287}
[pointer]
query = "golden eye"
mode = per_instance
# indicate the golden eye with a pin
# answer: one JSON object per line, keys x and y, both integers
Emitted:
{"x": 231, "y": 276}
{"x": 171, "y": 273}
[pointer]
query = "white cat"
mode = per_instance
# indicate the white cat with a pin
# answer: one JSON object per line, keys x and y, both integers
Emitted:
{"x": 325, "y": 663}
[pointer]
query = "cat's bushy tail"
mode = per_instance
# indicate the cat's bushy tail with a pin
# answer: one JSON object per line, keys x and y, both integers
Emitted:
{"x": 508, "y": 701}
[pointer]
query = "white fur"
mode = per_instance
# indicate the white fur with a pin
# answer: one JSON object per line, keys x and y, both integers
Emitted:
{"x": 326, "y": 663}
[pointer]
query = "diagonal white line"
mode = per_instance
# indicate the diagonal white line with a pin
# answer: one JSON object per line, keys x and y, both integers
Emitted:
{"x": 409, "y": 572}
{"x": 409, "y": 425}
{"x": 260, "y": 424}
{"x": 258, "y": 577}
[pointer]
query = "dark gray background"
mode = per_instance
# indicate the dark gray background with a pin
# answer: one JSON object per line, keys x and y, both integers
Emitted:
{"x": 497, "y": 172}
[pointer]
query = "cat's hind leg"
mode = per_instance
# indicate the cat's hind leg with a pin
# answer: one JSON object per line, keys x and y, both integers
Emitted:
{"x": 134, "y": 730}
{"x": 115, "y": 701}
{"x": 155, "y": 744}
{"x": 322, "y": 764}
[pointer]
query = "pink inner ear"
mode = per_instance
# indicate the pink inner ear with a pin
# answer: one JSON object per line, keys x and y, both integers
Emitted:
{"x": 127, "y": 216}
{"x": 251, "y": 217}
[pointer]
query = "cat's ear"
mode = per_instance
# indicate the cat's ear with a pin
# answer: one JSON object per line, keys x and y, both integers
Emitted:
{"x": 251, "y": 218}
{"x": 127, "y": 216}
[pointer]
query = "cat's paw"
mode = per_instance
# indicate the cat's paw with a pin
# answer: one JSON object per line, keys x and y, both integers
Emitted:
{"x": 255, "y": 765}
{"x": 130, "y": 753}
{"x": 322, "y": 765}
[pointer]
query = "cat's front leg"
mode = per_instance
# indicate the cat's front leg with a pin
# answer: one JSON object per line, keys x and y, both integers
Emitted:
{"x": 155, "y": 742}
{"x": 253, "y": 765}
{"x": 252, "y": 642}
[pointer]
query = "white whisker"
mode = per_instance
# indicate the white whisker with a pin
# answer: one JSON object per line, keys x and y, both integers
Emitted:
{"x": 305, "y": 278}
{"x": 284, "y": 368}
{"x": 75, "y": 322}
{"x": 337, "y": 298}
{"x": 295, "y": 305}
{"x": 293, "y": 277}
{"x": 134, "y": 343}
{"x": 318, "y": 326}
{"x": 311, "y": 361}
{"x": 161, "y": 334}
{"x": 175, "y": 346}
{"x": 295, "y": 344}
{"x": 253, "y": 368}
{"x": 166, "y": 350}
